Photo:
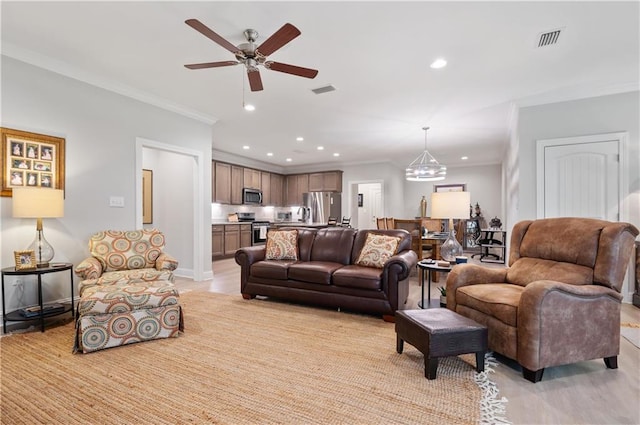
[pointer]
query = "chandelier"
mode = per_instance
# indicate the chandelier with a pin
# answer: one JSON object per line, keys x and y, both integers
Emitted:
{"x": 425, "y": 168}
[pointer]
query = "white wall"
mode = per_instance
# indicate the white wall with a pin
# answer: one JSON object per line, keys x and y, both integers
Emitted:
{"x": 100, "y": 128}
{"x": 484, "y": 183}
{"x": 604, "y": 114}
{"x": 173, "y": 201}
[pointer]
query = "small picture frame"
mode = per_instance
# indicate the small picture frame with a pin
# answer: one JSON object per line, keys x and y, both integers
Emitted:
{"x": 360, "y": 199}
{"x": 25, "y": 260}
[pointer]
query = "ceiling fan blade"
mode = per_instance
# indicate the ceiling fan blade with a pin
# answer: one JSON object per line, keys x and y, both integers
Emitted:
{"x": 207, "y": 32}
{"x": 292, "y": 69}
{"x": 279, "y": 38}
{"x": 211, "y": 64}
{"x": 255, "y": 81}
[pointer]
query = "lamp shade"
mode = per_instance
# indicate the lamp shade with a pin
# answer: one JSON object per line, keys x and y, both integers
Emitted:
{"x": 38, "y": 203}
{"x": 450, "y": 204}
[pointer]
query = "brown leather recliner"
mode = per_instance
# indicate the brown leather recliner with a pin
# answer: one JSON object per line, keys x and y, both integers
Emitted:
{"x": 559, "y": 300}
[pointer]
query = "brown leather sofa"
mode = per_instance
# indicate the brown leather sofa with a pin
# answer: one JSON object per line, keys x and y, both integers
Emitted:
{"x": 559, "y": 300}
{"x": 325, "y": 273}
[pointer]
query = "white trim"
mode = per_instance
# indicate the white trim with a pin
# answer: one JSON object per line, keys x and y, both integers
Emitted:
{"x": 199, "y": 272}
{"x": 42, "y": 61}
{"x": 351, "y": 195}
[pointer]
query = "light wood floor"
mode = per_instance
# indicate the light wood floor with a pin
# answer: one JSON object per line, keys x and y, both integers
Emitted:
{"x": 581, "y": 393}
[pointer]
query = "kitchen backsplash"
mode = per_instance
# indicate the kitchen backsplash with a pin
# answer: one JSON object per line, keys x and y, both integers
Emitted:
{"x": 220, "y": 212}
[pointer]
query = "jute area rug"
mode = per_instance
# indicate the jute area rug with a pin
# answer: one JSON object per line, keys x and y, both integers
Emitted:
{"x": 241, "y": 362}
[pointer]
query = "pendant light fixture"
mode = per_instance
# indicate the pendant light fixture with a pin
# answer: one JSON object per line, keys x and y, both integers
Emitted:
{"x": 425, "y": 168}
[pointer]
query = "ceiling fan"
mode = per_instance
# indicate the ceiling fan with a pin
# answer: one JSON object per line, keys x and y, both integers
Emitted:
{"x": 251, "y": 56}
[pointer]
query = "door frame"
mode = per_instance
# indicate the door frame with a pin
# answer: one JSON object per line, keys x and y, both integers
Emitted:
{"x": 623, "y": 186}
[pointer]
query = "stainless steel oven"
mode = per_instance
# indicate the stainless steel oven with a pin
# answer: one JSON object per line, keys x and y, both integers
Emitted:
{"x": 259, "y": 231}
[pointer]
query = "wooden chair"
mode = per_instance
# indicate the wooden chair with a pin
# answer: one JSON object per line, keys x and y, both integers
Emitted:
{"x": 415, "y": 228}
{"x": 346, "y": 222}
{"x": 381, "y": 223}
{"x": 333, "y": 221}
{"x": 390, "y": 223}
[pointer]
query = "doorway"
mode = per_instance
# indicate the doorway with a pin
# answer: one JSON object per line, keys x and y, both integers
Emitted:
{"x": 189, "y": 241}
{"x": 366, "y": 203}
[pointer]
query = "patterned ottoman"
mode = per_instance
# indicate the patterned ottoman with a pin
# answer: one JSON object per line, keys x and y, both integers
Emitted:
{"x": 127, "y": 312}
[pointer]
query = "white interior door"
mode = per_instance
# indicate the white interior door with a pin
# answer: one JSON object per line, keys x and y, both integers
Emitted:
{"x": 579, "y": 177}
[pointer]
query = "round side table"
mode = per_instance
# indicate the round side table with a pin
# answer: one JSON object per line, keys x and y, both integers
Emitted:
{"x": 429, "y": 267}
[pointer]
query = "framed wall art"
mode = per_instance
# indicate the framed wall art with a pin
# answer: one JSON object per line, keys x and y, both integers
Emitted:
{"x": 449, "y": 187}
{"x": 25, "y": 260}
{"x": 31, "y": 159}
{"x": 147, "y": 196}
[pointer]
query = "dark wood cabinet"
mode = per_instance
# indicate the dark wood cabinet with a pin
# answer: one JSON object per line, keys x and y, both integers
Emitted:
{"x": 237, "y": 183}
{"x": 252, "y": 178}
{"x": 217, "y": 241}
{"x": 327, "y": 181}
{"x": 222, "y": 192}
{"x": 245, "y": 235}
{"x": 277, "y": 190}
{"x": 265, "y": 184}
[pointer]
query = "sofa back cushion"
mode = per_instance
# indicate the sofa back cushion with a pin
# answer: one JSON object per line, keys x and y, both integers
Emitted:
{"x": 127, "y": 250}
{"x": 571, "y": 250}
{"x": 333, "y": 244}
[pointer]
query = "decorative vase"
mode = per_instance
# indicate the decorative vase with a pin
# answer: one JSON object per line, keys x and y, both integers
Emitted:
{"x": 443, "y": 300}
{"x": 423, "y": 207}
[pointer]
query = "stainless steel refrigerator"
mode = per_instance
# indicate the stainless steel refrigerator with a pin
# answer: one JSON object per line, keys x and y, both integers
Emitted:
{"x": 323, "y": 205}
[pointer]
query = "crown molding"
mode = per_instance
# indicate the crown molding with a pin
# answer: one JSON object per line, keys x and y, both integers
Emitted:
{"x": 60, "y": 67}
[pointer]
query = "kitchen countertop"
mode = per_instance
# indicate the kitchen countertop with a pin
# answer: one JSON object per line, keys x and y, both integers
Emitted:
{"x": 298, "y": 224}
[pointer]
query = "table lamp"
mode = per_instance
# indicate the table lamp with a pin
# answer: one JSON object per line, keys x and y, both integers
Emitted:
{"x": 450, "y": 205}
{"x": 39, "y": 203}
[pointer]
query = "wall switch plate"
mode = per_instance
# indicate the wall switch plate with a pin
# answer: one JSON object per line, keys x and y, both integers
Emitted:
{"x": 116, "y": 202}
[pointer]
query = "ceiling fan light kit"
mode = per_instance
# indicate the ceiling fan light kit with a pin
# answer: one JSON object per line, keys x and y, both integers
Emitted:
{"x": 425, "y": 168}
{"x": 251, "y": 56}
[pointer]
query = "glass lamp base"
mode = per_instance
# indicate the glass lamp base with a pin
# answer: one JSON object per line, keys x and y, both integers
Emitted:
{"x": 451, "y": 248}
{"x": 43, "y": 250}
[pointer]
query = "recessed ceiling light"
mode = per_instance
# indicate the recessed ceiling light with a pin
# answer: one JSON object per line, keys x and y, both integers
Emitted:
{"x": 245, "y": 147}
{"x": 299, "y": 139}
{"x": 336, "y": 154}
{"x": 249, "y": 107}
{"x": 464, "y": 158}
{"x": 320, "y": 148}
{"x": 269, "y": 153}
{"x": 288, "y": 159}
{"x": 438, "y": 63}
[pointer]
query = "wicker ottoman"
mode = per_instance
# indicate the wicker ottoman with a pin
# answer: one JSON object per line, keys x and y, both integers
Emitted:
{"x": 440, "y": 332}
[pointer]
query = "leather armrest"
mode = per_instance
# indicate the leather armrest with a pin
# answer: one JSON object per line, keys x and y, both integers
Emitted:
{"x": 555, "y": 318}
{"x": 89, "y": 268}
{"x": 471, "y": 274}
{"x": 251, "y": 254}
{"x": 401, "y": 264}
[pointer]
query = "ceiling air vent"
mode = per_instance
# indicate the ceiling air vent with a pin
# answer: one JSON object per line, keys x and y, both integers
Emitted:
{"x": 324, "y": 89}
{"x": 548, "y": 38}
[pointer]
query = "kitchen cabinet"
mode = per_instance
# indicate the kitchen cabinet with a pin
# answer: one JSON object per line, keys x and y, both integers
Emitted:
{"x": 222, "y": 192}
{"x": 217, "y": 241}
{"x": 328, "y": 181}
{"x": 297, "y": 184}
{"x": 237, "y": 183}
{"x": 245, "y": 235}
{"x": 231, "y": 238}
{"x": 277, "y": 190}
{"x": 265, "y": 184}
{"x": 252, "y": 178}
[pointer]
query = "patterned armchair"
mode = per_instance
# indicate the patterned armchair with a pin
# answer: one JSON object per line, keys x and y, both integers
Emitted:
{"x": 127, "y": 292}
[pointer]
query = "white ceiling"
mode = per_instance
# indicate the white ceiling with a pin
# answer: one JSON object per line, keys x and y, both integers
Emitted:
{"x": 376, "y": 54}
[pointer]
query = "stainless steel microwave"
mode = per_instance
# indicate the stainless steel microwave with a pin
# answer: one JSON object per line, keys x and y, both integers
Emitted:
{"x": 251, "y": 196}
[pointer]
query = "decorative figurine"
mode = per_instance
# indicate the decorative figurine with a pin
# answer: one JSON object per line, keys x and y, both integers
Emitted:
{"x": 495, "y": 223}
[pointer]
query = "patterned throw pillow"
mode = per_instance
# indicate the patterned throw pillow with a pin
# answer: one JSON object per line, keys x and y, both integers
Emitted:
{"x": 377, "y": 250}
{"x": 282, "y": 245}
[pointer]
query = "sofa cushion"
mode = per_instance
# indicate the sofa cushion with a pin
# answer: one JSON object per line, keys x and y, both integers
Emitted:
{"x": 282, "y": 245}
{"x": 497, "y": 300}
{"x": 377, "y": 250}
{"x": 272, "y": 269}
{"x": 333, "y": 244}
{"x": 358, "y": 277}
{"x": 314, "y": 271}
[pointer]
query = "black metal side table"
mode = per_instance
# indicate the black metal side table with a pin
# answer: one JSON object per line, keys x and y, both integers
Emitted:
{"x": 429, "y": 267}
{"x": 16, "y": 315}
